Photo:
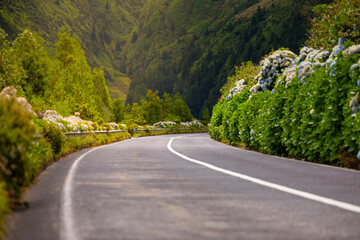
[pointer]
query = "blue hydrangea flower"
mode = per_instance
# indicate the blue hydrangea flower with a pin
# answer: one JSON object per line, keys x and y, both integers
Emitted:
{"x": 262, "y": 81}
{"x": 358, "y": 83}
{"x": 354, "y": 66}
{"x": 332, "y": 73}
{"x": 272, "y": 91}
{"x": 358, "y": 156}
{"x": 341, "y": 41}
{"x": 338, "y": 50}
{"x": 303, "y": 80}
{"x": 332, "y": 65}
{"x": 299, "y": 74}
{"x": 355, "y": 108}
{"x": 277, "y": 58}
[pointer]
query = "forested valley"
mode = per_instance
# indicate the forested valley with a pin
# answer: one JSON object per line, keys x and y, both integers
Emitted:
{"x": 186, "y": 47}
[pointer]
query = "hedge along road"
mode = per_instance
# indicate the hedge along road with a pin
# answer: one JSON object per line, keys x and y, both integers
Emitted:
{"x": 188, "y": 187}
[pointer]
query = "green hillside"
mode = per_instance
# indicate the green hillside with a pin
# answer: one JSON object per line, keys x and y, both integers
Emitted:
{"x": 191, "y": 46}
{"x": 187, "y": 46}
{"x": 101, "y": 28}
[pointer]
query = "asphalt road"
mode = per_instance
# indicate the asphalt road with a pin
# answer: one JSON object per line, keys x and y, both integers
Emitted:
{"x": 188, "y": 187}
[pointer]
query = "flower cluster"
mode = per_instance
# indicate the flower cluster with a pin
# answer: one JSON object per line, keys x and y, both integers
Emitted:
{"x": 194, "y": 123}
{"x": 75, "y": 123}
{"x": 354, "y": 103}
{"x": 272, "y": 67}
{"x": 165, "y": 124}
{"x": 239, "y": 87}
{"x": 11, "y": 92}
{"x": 315, "y": 98}
{"x": 286, "y": 65}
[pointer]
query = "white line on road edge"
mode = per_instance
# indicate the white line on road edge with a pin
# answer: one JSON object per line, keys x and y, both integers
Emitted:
{"x": 328, "y": 201}
{"x": 67, "y": 227}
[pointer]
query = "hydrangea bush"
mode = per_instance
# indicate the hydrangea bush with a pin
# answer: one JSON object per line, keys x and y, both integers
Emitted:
{"x": 76, "y": 124}
{"x": 310, "y": 113}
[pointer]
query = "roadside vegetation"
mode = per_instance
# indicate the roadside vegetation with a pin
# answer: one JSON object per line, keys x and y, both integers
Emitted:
{"x": 37, "y": 90}
{"x": 302, "y": 106}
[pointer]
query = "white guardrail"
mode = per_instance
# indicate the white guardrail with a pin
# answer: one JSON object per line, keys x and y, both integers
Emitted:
{"x": 80, "y": 134}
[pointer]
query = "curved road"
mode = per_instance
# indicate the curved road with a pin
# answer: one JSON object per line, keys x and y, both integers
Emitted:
{"x": 188, "y": 187}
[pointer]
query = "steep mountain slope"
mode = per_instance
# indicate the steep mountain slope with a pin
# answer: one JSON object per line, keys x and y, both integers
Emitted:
{"x": 190, "y": 46}
{"x": 186, "y": 46}
{"x": 100, "y": 27}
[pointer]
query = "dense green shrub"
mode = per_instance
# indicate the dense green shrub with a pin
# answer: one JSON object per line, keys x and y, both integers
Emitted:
{"x": 91, "y": 140}
{"x": 267, "y": 127}
{"x": 39, "y": 154}
{"x": 16, "y": 137}
{"x": 311, "y": 119}
{"x": 52, "y": 133}
{"x": 216, "y": 120}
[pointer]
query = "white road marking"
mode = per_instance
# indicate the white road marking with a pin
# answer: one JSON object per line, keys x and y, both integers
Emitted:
{"x": 67, "y": 225}
{"x": 328, "y": 201}
{"x": 287, "y": 159}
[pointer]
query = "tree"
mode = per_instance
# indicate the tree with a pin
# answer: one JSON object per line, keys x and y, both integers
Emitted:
{"x": 11, "y": 71}
{"x": 181, "y": 109}
{"x": 167, "y": 106}
{"x": 35, "y": 62}
{"x": 152, "y": 107}
{"x": 118, "y": 110}
{"x": 134, "y": 114}
{"x": 82, "y": 89}
{"x": 100, "y": 86}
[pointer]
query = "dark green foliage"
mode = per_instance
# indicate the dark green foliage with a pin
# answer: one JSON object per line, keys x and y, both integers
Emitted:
{"x": 187, "y": 47}
{"x": 154, "y": 109}
{"x": 167, "y": 106}
{"x": 16, "y": 137}
{"x": 310, "y": 120}
{"x": 205, "y": 116}
{"x": 181, "y": 109}
{"x": 216, "y": 121}
{"x": 53, "y": 134}
{"x": 193, "y": 52}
